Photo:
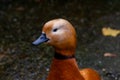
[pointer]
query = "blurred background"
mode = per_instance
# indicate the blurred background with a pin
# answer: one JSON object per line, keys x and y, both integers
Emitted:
{"x": 21, "y": 22}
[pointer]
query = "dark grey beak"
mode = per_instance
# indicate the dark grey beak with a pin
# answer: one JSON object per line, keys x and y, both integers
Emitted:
{"x": 41, "y": 39}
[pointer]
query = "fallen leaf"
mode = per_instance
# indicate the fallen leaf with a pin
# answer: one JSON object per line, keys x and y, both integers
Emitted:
{"x": 20, "y": 8}
{"x": 110, "y": 32}
{"x": 110, "y": 55}
{"x": 2, "y": 56}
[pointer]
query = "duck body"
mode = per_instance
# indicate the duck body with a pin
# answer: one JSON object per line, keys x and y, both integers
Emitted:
{"x": 60, "y": 34}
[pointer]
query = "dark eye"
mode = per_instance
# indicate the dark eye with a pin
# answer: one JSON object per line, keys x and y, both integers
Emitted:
{"x": 54, "y": 30}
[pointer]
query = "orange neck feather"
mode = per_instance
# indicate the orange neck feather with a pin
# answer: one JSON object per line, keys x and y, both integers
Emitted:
{"x": 64, "y": 70}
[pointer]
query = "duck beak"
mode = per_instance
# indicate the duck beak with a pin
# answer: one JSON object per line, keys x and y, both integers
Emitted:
{"x": 41, "y": 39}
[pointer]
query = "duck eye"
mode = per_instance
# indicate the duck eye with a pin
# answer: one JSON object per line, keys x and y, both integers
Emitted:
{"x": 54, "y": 30}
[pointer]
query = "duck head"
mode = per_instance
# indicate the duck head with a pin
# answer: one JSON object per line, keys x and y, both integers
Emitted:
{"x": 60, "y": 34}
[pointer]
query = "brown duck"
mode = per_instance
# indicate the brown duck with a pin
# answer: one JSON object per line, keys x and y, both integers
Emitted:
{"x": 60, "y": 34}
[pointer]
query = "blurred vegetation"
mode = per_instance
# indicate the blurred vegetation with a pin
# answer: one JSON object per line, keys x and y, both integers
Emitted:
{"x": 21, "y": 22}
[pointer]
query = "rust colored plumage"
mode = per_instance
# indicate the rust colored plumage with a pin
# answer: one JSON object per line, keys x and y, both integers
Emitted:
{"x": 60, "y": 34}
{"x": 64, "y": 70}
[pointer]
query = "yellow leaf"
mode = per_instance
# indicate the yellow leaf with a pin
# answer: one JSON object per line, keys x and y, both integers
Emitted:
{"x": 110, "y": 32}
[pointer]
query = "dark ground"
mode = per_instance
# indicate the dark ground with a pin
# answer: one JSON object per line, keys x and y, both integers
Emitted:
{"x": 21, "y": 22}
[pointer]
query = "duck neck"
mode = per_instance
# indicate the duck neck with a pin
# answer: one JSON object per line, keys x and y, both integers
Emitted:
{"x": 65, "y": 52}
{"x": 63, "y": 57}
{"x": 64, "y": 68}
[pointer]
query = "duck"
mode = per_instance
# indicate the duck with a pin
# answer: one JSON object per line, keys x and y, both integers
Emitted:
{"x": 61, "y": 35}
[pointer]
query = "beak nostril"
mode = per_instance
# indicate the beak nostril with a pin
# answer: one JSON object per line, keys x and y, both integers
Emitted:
{"x": 41, "y": 39}
{"x": 43, "y": 36}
